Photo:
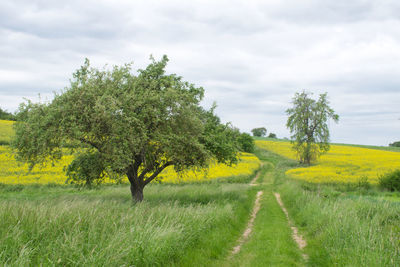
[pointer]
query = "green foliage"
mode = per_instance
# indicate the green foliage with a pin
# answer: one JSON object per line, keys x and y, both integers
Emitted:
{"x": 246, "y": 143}
{"x": 218, "y": 139}
{"x": 86, "y": 169}
{"x": 139, "y": 124}
{"x": 4, "y": 115}
{"x": 259, "y": 132}
{"x": 395, "y": 144}
{"x": 307, "y": 123}
{"x": 272, "y": 135}
{"x": 390, "y": 181}
{"x": 363, "y": 183}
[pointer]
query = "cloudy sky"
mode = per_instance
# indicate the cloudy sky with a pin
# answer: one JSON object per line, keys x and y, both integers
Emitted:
{"x": 250, "y": 56}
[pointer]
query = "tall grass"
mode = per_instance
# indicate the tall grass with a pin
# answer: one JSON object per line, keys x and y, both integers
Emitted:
{"x": 102, "y": 227}
{"x": 346, "y": 231}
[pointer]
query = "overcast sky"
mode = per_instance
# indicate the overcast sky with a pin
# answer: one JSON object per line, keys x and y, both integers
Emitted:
{"x": 250, "y": 56}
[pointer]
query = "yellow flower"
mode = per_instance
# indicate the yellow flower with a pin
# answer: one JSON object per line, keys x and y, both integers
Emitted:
{"x": 12, "y": 172}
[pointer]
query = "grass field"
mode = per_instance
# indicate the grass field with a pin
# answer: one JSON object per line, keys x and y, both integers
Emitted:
{"x": 197, "y": 221}
{"x": 177, "y": 225}
{"x": 344, "y": 164}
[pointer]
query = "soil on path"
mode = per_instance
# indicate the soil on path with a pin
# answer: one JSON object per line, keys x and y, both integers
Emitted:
{"x": 301, "y": 242}
{"x": 250, "y": 224}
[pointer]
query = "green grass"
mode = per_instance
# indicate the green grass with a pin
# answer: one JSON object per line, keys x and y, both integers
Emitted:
{"x": 271, "y": 242}
{"x": 270, "y": 139}
{"x": 176, "y": 225}
{"x": 344, "y": 226}
{"x": 198, "y": 224}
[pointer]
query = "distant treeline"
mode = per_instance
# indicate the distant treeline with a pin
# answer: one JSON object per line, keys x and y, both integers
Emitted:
{"x": 4, "y": 115}
{"x": 395, "y": 144}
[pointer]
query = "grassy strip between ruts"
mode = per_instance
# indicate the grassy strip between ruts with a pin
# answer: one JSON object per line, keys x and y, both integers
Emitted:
{"x": 176, "y": 225}
{"x": 270, "y": 242}
{"x": 341, "y": 229}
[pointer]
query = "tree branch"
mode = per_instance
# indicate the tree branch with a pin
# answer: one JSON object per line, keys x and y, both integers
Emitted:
{"x": 157, "y": 172}
{"x": 83, "y": 140}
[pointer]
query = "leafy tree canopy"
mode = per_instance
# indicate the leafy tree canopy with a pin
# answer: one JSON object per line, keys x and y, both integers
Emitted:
{"x": 307, "y": 123}
{"x": 272, "y": 135}
{"x": 128, "y": 124}
{"x": 246, "y": 143}
{"x": 259, "y": 131}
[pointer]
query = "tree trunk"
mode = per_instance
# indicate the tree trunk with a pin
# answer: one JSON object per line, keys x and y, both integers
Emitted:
{"x": 137, "y": 192}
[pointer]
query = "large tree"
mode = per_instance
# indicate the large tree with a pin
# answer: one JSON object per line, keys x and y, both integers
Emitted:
{"x": 259, "y": 132}
{"x": 307, "y": 123}
{"x": 136, "y": 125}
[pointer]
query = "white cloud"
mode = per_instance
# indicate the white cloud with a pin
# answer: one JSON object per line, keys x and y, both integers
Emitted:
{"x": 250, "y": 56}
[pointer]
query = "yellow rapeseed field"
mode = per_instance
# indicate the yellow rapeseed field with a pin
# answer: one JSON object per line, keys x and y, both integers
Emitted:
{"x": 6, "y": 130}
{"x": 12, "y": 172}
{"x": 248, "y": 164}
{"x": 341, "y": 164}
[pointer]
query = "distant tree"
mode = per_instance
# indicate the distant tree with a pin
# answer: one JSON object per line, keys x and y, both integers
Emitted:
{"x": 272, "y": 135}
{"x": 259, "y": 132}
{"x": 4, "y": 115}
{"x": 133, "y": 125}
{"x": 246, "y": 143}
{"x": 307, "y": 123}
{"x": 395, "y": 144}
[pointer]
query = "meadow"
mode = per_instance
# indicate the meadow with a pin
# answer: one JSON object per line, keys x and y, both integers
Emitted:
{"x": 195, "y": 219}
{"x": 343, "y": 164}
{"x": 44, "y": 221}
{"x": 175, "y": 225}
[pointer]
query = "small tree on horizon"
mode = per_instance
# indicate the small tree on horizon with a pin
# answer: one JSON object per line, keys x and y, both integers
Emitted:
{"x": 259, "y": 132}
{"x": 307, "y": 123}
{"x": 395, "y": 144}
{"x": 133, "y": 125}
